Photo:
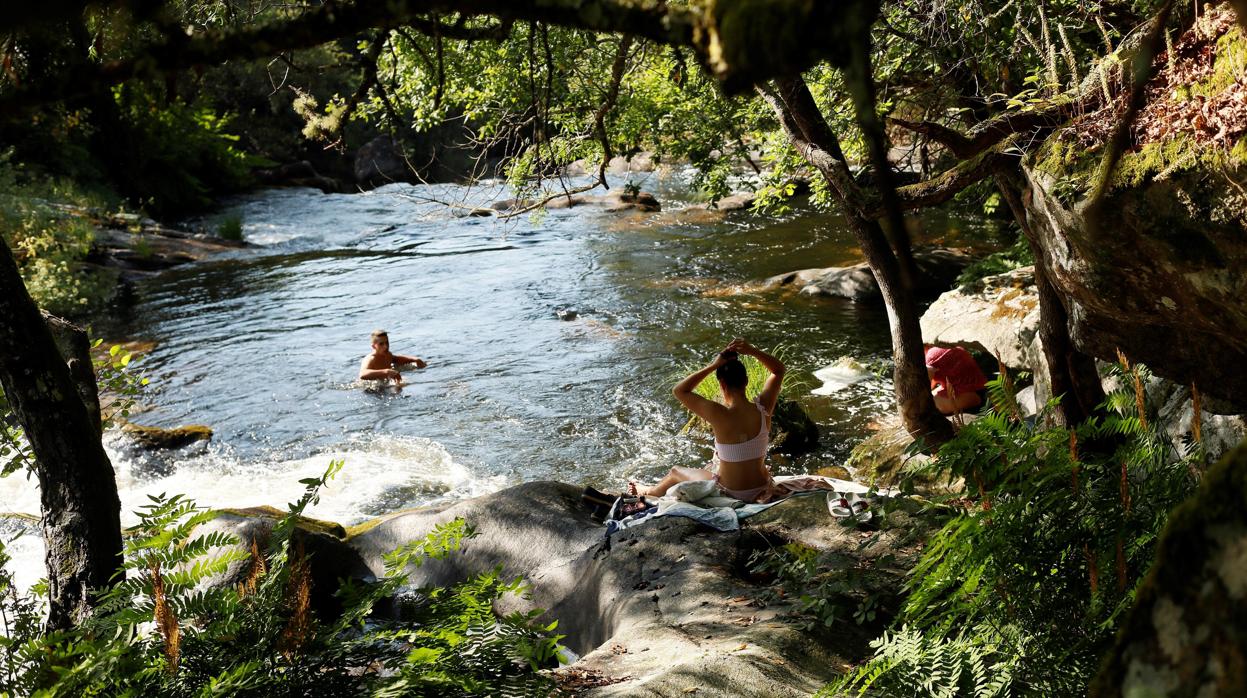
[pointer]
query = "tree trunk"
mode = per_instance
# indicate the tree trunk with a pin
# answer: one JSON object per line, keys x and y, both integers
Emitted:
{"x": 817, "y": 143}
{"x": 80, "y": 507}
{"x": 910, "y": 381}
{"x": 1071, "y": 373}
{"x": 75, "y": 347}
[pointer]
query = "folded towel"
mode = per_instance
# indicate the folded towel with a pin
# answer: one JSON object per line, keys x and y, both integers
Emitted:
{"x": 703, "y": 493}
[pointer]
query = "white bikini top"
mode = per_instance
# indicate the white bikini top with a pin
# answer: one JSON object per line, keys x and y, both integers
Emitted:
{"x": 752, "y": 449}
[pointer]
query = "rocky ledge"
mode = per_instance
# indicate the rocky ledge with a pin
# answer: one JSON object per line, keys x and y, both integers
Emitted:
{"x": 138, "y": 247}
{"x": 669, "y": 608}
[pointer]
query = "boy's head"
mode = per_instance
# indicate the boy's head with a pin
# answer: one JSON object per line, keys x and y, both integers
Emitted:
{"x": 380, "y": 340}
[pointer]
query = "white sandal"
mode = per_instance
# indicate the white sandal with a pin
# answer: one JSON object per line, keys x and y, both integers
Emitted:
{"x": 839, "y": 506}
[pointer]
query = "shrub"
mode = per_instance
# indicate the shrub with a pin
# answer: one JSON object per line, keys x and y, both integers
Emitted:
{"x": 1028, "y": 579}
{"x": 825, "y": 587}
{"x": 42, "y": 223}
{"x": 176, "y": 156}
{"x": 230, "y": 228}
{"x": 162, "y": 631}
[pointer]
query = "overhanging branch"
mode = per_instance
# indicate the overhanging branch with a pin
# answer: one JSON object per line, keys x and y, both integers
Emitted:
{"x": 741, "y": 43}
{"x": 941, "y": 188}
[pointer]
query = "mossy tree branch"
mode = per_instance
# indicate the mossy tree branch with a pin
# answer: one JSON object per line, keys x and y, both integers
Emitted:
{"x": 944, "y": 186}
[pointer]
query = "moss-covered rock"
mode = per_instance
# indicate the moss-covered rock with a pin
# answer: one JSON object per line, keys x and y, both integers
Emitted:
{"x": 793, "y": 432}
{"x": 1187, "y": 632}
{"x": 330, "y": 557}
{"x": 304, "y": 523}
{"x": 154, "y": 438}
{"x": 883, "y": 459}
{"x": 1164, "y": 274}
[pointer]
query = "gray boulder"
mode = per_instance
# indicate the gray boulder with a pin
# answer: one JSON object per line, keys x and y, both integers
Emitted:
{"x": 938, "y": 268}
{"x": 1164, "y": 279}
{"x": 666, "y": 609}
{"x": 998, "y": 315}
{"x": 1173, "y": 406}
{"x": 324, "y": 542}
{"x": 741, "y": 201}
{"x": 381, "y": 161}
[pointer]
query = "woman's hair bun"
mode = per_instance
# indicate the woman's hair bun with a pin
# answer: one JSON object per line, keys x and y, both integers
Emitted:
{"x": 732, "y": 372}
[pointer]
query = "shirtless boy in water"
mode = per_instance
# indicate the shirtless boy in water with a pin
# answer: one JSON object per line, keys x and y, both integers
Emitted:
{"x": 381, "y": 364}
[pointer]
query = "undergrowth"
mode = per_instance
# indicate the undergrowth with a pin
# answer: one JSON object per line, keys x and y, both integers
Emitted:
{"x": 171, "y": 627}
{"x": 1022, "y": 590}
{"x": 824, "y": 587}
{"x": 49, "y": 243}
{"x": 1016, "y": 255}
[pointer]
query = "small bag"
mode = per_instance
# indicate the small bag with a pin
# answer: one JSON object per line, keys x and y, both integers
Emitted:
{"x": 598, "y": 503}
{"x": 627, "y": 505}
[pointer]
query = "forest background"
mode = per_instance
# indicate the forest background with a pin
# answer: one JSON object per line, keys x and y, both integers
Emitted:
{"x": 163, "y": 106}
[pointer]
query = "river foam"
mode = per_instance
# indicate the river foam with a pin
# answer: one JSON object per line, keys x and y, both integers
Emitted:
{"x": 382, "y": 473}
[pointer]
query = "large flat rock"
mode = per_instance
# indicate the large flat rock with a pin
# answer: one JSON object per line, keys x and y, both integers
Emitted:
{"x": 665, "y": 610}
{"x": 998, "y": 315}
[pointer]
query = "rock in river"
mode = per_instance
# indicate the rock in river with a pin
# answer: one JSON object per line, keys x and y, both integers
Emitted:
{"x": 937, "y": 269}
{"x": 160, "y": 438}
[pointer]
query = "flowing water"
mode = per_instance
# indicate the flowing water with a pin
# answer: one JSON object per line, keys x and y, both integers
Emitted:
{"x": 263, "y": 346}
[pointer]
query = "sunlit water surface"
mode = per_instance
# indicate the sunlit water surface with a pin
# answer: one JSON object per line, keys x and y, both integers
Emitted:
{"x": 263, "y": 346}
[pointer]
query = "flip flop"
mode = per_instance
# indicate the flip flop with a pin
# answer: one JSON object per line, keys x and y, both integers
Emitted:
{"x": 839, "y": 506}
{"x": 860, "y": 506}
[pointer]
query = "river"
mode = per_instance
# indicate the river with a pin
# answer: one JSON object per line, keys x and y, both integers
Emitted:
{"x": 263, "y": 345}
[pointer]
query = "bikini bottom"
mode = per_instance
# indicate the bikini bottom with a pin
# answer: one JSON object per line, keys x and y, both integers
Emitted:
{"x": 749, "y": 496}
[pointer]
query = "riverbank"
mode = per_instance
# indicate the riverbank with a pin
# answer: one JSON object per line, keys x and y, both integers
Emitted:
{"x": 669, "y": 607}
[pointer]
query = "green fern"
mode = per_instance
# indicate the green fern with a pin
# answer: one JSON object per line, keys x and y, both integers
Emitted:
{"x": 1023, "y": 587}
{"x": 235, "y": 642}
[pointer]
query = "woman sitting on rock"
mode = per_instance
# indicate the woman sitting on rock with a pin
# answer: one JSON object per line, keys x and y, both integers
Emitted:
{"x": 741, "y": 429}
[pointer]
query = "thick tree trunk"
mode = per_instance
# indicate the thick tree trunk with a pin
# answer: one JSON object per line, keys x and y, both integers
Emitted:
{"x": 1071, "y": 373}
{"x": 910, "y": 381}
{"x": 80, "y": 507}
{"x": 813, "y": 138}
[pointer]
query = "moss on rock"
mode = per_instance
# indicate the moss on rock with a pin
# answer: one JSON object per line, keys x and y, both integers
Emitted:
{"x": 159, "y": 438}
{"x": 303, "y": 523}
{"x": 1179, "y": 141}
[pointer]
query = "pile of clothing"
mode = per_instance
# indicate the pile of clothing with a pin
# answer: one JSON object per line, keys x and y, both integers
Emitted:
{"x": 702, "y": 501}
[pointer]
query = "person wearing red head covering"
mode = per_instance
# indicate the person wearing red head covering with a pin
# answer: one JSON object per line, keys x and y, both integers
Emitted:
{"x": 957, "y": 382}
